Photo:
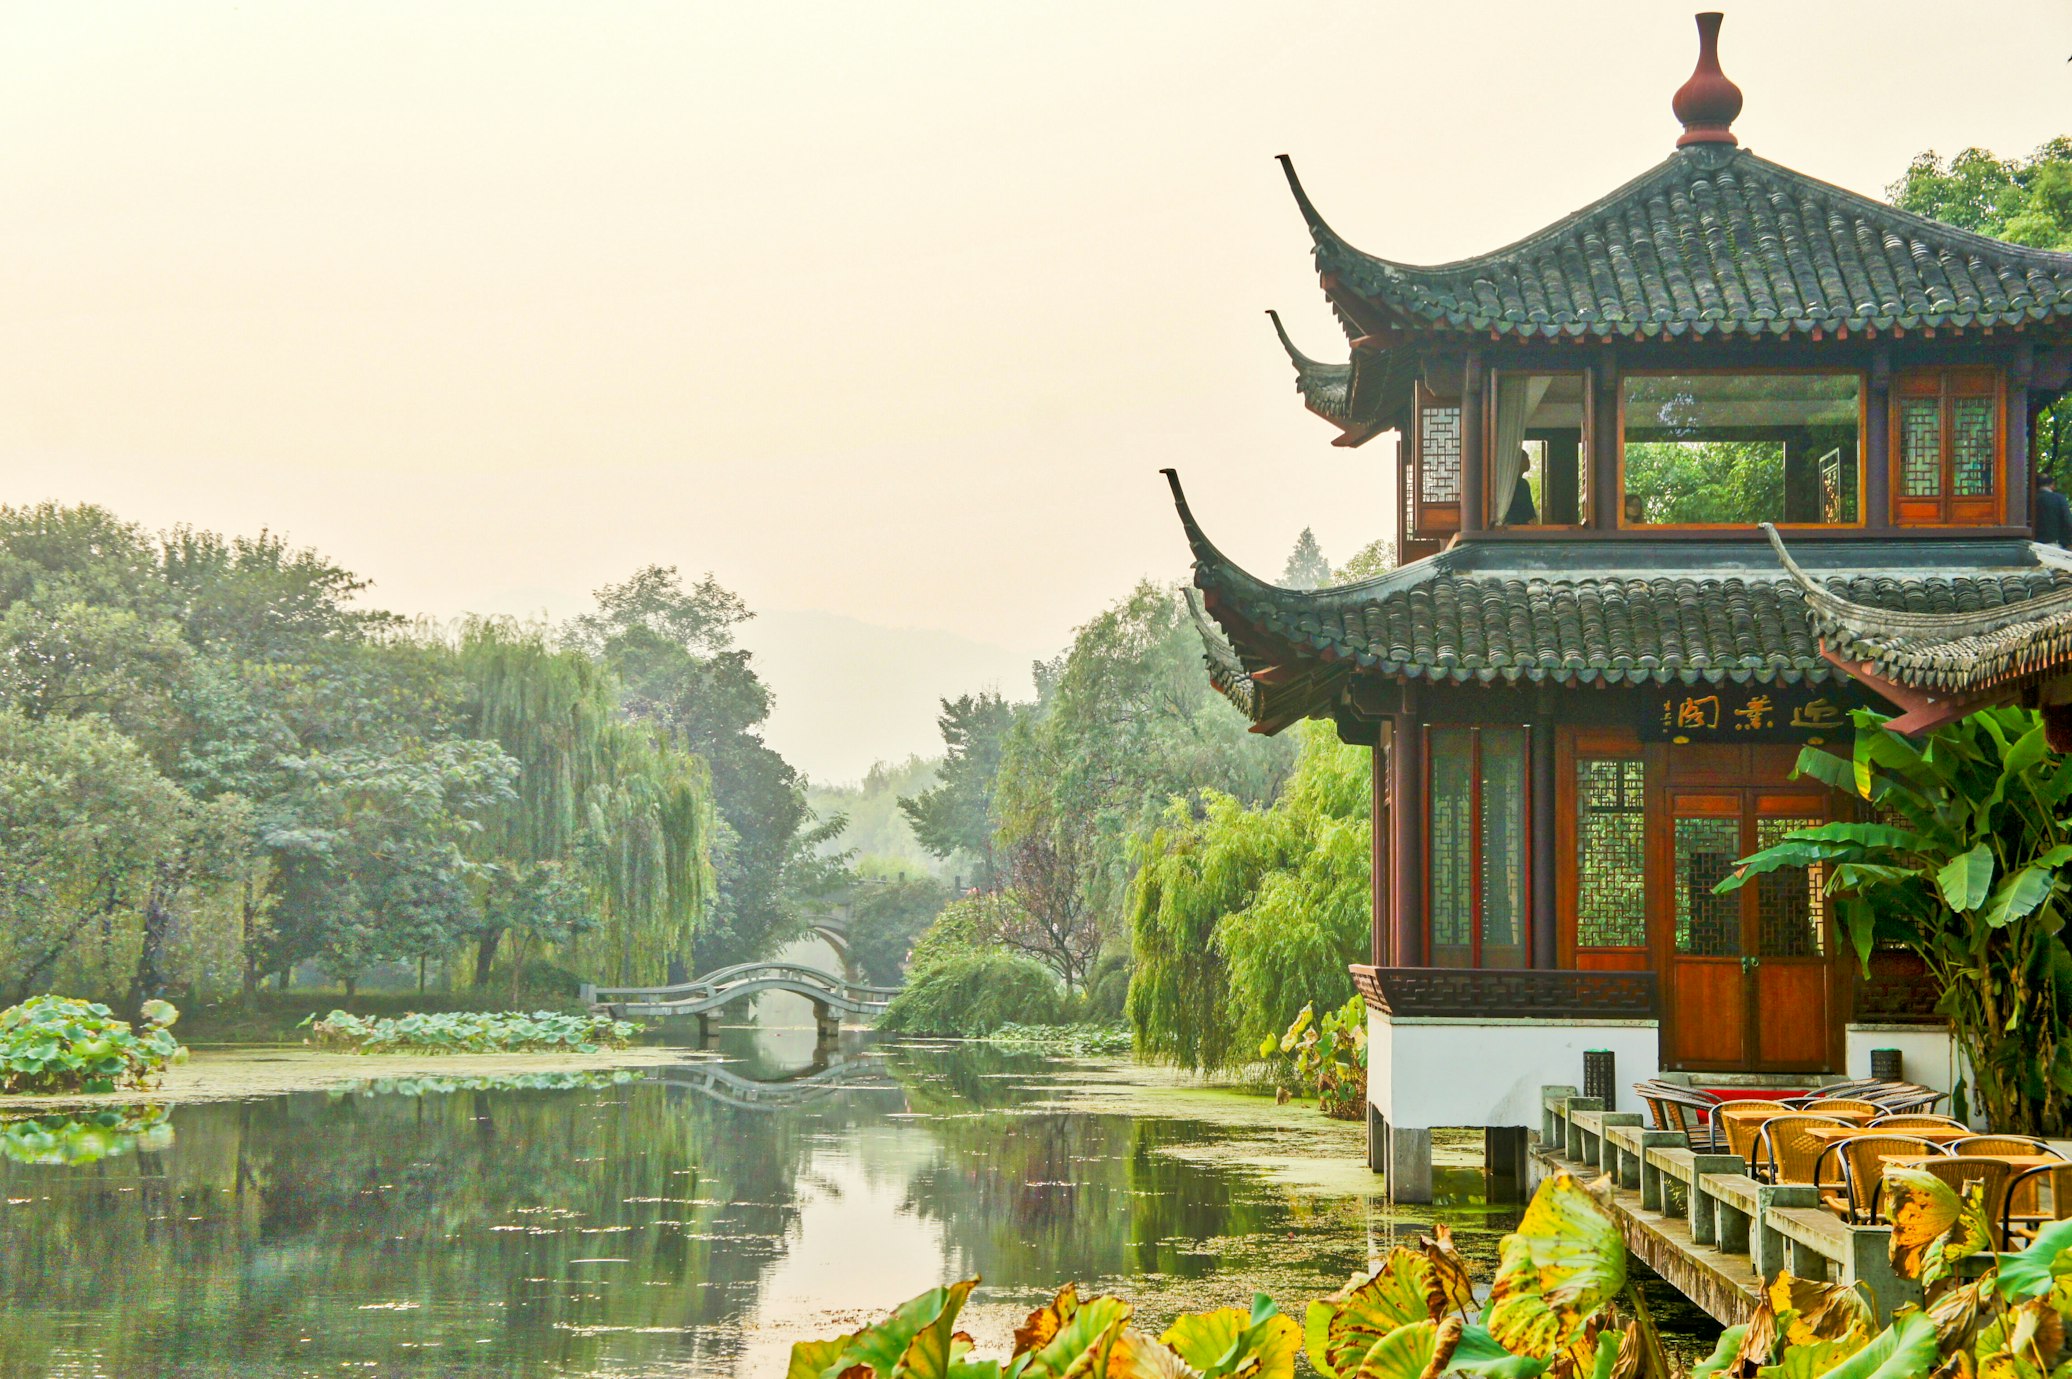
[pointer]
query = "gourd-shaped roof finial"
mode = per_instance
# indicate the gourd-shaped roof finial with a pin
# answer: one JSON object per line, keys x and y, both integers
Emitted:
{"x": 1708, "y": 102}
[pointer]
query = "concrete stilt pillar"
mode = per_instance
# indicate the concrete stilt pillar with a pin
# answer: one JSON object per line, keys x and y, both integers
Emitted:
{"x": 1410, "y": 1165}
{"x": 1504, "y": 1163}
{"x": 1377, "y": 1140}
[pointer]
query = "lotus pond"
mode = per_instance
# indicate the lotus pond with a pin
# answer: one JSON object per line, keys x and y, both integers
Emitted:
{"x": 685, "y": 1220}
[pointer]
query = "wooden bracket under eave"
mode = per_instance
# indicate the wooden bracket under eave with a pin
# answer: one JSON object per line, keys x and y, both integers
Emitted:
{"x": 1919, "y": 710}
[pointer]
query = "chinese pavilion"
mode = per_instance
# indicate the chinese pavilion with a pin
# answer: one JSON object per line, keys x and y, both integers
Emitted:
{"x": 1587, "y": 685}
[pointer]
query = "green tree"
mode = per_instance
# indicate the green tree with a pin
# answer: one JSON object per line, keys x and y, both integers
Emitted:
{"x": 886, "y": 915}
{"x": 1968, "y": 870}
{"x": 673, "y": 650}
{"x": 1125, "y": 722}
{"x": 955, "y": 818}
{"x": 86, "y": 824}
{"x": 2024, "y": 200}
{"x": 1241, "y": 915}
{"x": 1306, "y": 567}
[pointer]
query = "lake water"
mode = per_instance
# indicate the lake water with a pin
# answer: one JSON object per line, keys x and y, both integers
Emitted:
{"x": 681, "y": 1221}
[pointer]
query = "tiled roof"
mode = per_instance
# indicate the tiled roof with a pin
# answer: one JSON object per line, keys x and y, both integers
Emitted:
{"x": 1713, "y": 240}
{"x": 1959, "y": 645}
{"x": 1590, "y": 613}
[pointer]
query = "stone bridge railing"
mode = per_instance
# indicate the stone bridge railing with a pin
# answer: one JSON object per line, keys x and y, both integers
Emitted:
{"x": 832, "y": 997}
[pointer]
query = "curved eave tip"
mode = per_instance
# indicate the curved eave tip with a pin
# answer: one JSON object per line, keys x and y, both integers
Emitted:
{"x": 1296, "y": 357}
{"x": 1317, "y": 228}
{"x": 1204, "y": 550}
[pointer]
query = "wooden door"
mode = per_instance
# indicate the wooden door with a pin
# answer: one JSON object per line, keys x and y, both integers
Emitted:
{"x": 1749, "y": 973}
{"x": 1706, "y": 997}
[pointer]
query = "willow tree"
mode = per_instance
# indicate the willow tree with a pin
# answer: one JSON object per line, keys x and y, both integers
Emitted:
{"x": 1241, "y": 915}
{"x": 598, "y": 797}
{"x": 648, "y": 845}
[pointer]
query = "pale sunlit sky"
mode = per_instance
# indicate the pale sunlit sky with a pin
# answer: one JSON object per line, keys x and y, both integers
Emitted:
{"x": 887, "y": 313}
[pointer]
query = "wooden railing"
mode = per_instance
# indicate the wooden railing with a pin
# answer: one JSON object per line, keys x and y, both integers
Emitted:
{"x": 1506, "y": 993}
{"x": 1700, "y": 1220}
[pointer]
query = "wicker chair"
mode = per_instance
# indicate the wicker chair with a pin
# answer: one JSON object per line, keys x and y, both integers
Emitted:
{"x": 1686, "y": 1110}
{"x": 1789, "y": 1153}
{"x": 1844, "y": 1108}
{"x": 1863, "y": 1170}
{"x": 1905, "y": 1097}
{"x": 2026, "y": 1211}
{"x": 1742, "y": 1121}
{"x": 2002, "y": 1144}
{"x": 1900, "y": 1124}
{"x": 1996, "y": 1174}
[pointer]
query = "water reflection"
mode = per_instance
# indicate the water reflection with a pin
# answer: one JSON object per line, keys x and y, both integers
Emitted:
{"x": 679, "y": 1222}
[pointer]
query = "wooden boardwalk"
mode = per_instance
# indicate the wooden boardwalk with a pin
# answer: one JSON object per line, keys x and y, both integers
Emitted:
{"x": 1702, "y": 1223}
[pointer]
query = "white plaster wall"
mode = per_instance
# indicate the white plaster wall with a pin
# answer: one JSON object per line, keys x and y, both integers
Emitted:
{"x": 1927, "y": 1054}
{"x": 1423, "y": 1073}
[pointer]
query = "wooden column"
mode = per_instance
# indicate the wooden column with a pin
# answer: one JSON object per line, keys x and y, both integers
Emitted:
{"x": 1406, "y": 817}
{"x": 2020, "y": 373}
{"x": 1545, "y": 941}
{"x": 1877, "y": 443}
{"x": 1378, "y": 921}
{"x": 1473, "y": 463}
{"x": 1604, "y": 443}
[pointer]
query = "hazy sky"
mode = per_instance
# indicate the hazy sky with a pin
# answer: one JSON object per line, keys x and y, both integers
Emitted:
{"x": 887, "y": 313}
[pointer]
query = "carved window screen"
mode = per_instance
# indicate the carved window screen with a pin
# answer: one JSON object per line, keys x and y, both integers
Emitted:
{"x": 1477, "y": 827}
{"x": 1790, "y": 908}
{"x": 1611, "y": 853}
{"x": 1432, "y": 479}
{"x": 1946, "y": 447}
{"x": 1708, "y": 925}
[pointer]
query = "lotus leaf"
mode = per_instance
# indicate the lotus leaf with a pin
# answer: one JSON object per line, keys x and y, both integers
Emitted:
{"x": 1260, "y": 1344}
{"x": 55, "y": 1044}
{"x": 471, "y": 1031}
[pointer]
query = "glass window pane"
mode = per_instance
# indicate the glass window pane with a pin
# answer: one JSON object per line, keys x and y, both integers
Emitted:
{"x": 1503, "y": 847}
{"x": 1536, "y": 450}
{"x": 1707, "y": 925}
{"x": 1973, "y": 446}
{"x": 1452, "y": 845}
{"x": 1738, "y": 449}
{"x": 1789, "y": 902}
{"x": 1611, "y": 858}
{"x": 1920, "y": 447}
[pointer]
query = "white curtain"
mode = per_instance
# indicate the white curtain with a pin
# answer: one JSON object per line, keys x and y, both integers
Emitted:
{"x": 1516, "y": 400}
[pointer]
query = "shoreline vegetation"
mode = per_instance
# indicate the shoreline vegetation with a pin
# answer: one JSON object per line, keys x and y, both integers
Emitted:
{"x": 225, "y": 1074}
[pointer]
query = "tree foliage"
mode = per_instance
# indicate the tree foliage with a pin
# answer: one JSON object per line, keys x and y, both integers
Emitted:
{"x": 1306, "y": 567}
{"x": 1967, "y": 868}
{"x": 672, "y": 648}
{"x": 954, "y": 819}
{"x": 2023, "y": 200}
{"x": 1125, "y": 722}
{"x": 215, "y": 764}
{"x": 1240, "y": 914}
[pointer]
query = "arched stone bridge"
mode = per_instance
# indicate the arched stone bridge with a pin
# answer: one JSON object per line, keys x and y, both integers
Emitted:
{"x": 832, "y": 997}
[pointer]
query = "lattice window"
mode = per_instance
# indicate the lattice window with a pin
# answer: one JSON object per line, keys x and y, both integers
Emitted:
{"x": 1974, "y": 446}
{"x": 1438, "y": 454}
{"x": 1611, "y": 853}
{"x": 1707, "y": 925}
{"x": 1790, "y": 909}
{"x": 1503, "y": 847}
{"x": 1920, "y": 447}
{"x": 1452, "y": 845}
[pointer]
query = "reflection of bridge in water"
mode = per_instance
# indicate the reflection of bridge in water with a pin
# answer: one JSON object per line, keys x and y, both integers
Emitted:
{"x": 720, "y": 1082}
{"x": 832, "y": 997}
